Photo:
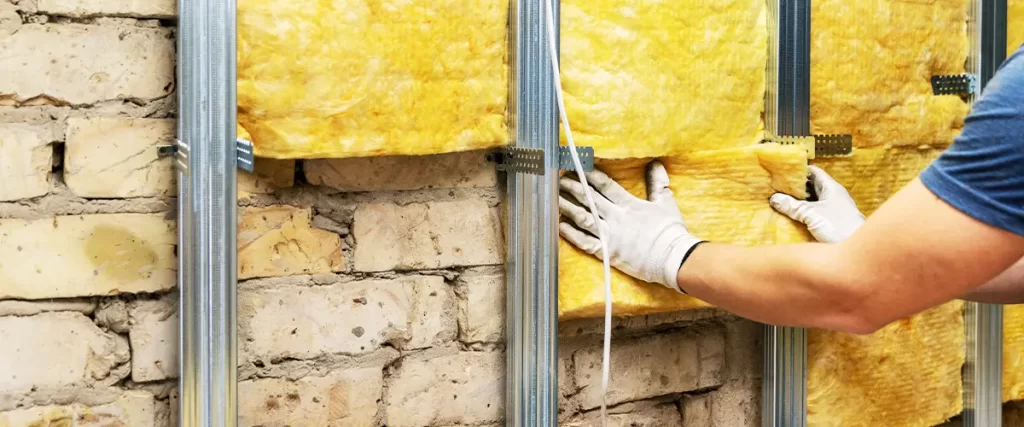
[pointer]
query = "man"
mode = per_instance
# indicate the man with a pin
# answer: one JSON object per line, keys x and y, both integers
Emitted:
{"x": 956, "y": 231}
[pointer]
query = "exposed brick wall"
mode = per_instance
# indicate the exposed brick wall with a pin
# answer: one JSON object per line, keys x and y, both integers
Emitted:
{"x": 371, "y": 290}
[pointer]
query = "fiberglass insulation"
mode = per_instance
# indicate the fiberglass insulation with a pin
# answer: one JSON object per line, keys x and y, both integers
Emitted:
{"x": 682, "y": 81}
{"x": 871, "y": 66}
{"x": 350, "y": 78}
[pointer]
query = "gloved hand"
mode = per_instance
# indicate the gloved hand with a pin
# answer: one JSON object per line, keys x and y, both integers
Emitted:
{"x": 646, "y": 238}
{"x": 832, "y": 218}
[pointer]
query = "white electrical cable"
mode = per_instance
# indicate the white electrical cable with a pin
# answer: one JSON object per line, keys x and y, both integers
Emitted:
{"x": 606, "y": 354}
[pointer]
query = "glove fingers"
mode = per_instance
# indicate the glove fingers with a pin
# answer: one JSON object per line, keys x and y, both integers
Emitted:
{"x": 789, "y": 206}
{"x": 607, "y": 186}
{"x": 586, "y": 242}
{"x": 657, "y": 183}
{"x": 575, "y": 189}
{"x": 577, "y": 214}
{"x": 824, "y": 184}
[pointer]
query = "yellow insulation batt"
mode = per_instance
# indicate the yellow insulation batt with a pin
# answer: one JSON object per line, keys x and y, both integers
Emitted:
{"x": 349, "y": 78}
{"x": 1013, "y": 352}
{"x": 723, "y": 196}
{"x": 871, "y": 66}
{"x": 1014, "y": 25}
{"x": 657, "y": 78}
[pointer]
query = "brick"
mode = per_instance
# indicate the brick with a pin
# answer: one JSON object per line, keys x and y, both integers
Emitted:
{"x": 134, "y": 408}
{"x": 154, "y": 339}
{"x": 268, "y": 176}
{"x": 117, "y": 157}
{"x": 464, "y": 388}
{"x": 32, "y": 308}
{"x": 734, "y": 404}
{"x": 663, "y": 415}
{"x": 396, "y": 173}
{"x": 428, "y": 235}
{"x": 85, "y": 64}
{"x": 711, "y": 347}
{"x": 660, "y": 365}
{"x": 696, "y": 410}
{"x": 743, "y": 351}
{"x": 10, "y": 20}
{"x": 26, "y": 159}
{"x": 481, "y": 312}
{"x": 342, "y": 398}
{"x": 70, "y": 256}
{"x": 57, "y": 350}
{"x": 347, "y": 318}
{"x": 279, "y": 241}
{"x": 126, "y": 8}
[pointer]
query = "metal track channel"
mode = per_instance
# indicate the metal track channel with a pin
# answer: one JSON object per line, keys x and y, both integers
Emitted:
{"x": 787, "y": 113}
{"x": 532, "y": 235}
{"x": 983, "y": 367}
{"x": 206, "y": 213}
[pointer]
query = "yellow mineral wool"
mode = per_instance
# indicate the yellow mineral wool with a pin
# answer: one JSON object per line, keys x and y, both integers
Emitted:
{"x": 1014, "y": 25}
{"x": 1013, "y": 352}
{"x": 353, "y": 78}
{"x": 906, "y": 374}
{"x": 656, "y": 78}
{"x": 871, "y": 65}
{"x": 872, "y": 175}
{"x": 724, "y": 198}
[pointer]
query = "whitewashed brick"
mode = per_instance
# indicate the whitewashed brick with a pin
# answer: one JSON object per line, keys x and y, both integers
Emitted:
{"x": 85, "y": 64}
{"x": 429, "y": 235}
{"x": 342, "y": 398}
{"x": 395, "y": 173}
{"x": 659, "y": 365}
{"x": 117, "y": 157}
{"x": 279, "y": 241}
{"x": 26, "y": 159}
{"x": 154, "y": 339}
{"x": 55, "y": 350}
{"x": 134, "y": 408}
{"x": 128, "y": 8}
{"x": 482, "y": 311}
{"x": 347, "y": 318}
{"x": 464, "y": 388}
{"x": 69, "y": 256}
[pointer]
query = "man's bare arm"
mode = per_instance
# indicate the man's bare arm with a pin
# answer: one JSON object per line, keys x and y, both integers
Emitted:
{"x": 897, "y": 264}
{"x": 1006, "y": 288}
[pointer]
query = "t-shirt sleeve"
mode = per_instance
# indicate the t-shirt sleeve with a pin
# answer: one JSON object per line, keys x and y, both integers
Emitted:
{"x": 982, "y": 173}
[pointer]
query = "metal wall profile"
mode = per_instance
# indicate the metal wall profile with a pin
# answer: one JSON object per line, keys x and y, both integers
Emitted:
{"x": 983, "y": 364}
{"x": 787, "y": 113}
{"x": 207, "y": 197}
{"x": 532, "y": 235}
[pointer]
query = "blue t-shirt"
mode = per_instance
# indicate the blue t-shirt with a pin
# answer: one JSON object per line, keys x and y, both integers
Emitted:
{"x": 982, "y": 173}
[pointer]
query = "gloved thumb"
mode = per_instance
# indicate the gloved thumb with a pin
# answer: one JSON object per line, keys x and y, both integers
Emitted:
{"x": 657, "y": 183}
{"x": 797, "y": 210}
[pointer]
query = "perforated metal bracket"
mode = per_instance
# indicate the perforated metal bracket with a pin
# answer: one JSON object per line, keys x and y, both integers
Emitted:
{"x": 826, "y": 145}
{"x": 243, "y": 148}
{"x": 531, "y": 160}
{"x": 954, "y": 84}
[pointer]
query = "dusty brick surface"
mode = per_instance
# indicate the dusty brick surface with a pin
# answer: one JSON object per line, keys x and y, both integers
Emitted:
{"x": 117, "y": 157}
{"x": 427, "y": 235}
{"x": 129, "y": 8}
{"x": 268, "y": 176}
{"x": 341, "y": 398}
{"x": 743, "y": 350}
{"x": 734, "y": 404}
{"x": 464, "y": 388}
{"x": 26, "y": 158}
{"x": 711, "y": 347}
{"x": 279, "y": 241}
{"x": 85, "y": 64}
{"x": 482, "y": 308}
{"x": 658, "y": 365}
{"x": 31, "y": 308}
{"x": 154, "y": 340}
{"x": 451, "y": 170}
{"x": 346, "y": 318}
{"x": 71, "y": 256}
{"x": 54, "y": 350}
{"x": 658, "y": 415}
{"x": 133, "y": 408}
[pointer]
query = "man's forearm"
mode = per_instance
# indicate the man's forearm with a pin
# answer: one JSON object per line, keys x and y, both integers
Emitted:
{"x": 1006, "y": 288}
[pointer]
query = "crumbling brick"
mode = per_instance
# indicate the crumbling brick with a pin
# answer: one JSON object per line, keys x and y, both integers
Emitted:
{"x": 481, "y": 310}
{"x": 341, "y": 398}
{"x": 129, "y": 8}
{"x": 133, "y": 408}
{"x": 116, "y": 157}
{"x": 84, "y": 64}
{"x": 31, "y": 308}
{"x": 463, "y": 388}
{"x": 71, "y": 256}
{"x": 55, "y": 350}
{"x": 25, "y": 161}
{"x": 154, "y": 339}
{"x": 395, "y": 173}
{"x": 279, "y": 241}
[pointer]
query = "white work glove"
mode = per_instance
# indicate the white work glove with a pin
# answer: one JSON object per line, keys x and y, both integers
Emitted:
{"x": 646, "y": 238}
{"x": 832, "y": 218}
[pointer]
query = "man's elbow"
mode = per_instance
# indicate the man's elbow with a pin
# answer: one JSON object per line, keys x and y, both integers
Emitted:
{"x": 855, "y": 312}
